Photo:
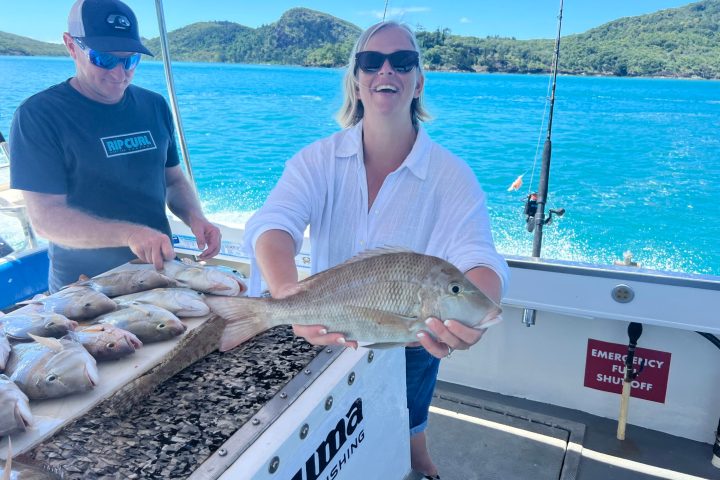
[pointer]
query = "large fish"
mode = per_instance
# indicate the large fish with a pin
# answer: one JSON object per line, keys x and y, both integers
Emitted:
{"x": 75, "y": 302}
{"x": 381, "y": 296}
{"x": 50, "y": 368}
{"x": 21, "y": 323}
{"x": 106, "y": 342}
{"x": 183, "y": 302}
{"x": 15, "y": 414}
{"x": 203, "y": 278}
{"x": 149, "y": 322}
{"x": 126, "y": 282}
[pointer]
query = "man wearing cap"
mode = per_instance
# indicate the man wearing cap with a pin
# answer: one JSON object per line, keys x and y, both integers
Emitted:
{"x": 96, "y": 157}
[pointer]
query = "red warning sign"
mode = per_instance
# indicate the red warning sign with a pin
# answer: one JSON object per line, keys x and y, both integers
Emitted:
{"x": 605, "y": 370}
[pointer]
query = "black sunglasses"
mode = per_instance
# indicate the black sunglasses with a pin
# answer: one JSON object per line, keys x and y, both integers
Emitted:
{"x": 401, "y": 61}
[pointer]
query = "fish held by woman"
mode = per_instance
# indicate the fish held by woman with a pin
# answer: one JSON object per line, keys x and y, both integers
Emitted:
{"x": 381, "y": 296}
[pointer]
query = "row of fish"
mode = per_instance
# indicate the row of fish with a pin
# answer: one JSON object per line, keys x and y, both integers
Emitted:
{"x": 61, "y": 349}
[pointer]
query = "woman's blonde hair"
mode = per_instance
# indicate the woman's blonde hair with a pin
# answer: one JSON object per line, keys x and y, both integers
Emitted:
{"x": 352, "y": 109}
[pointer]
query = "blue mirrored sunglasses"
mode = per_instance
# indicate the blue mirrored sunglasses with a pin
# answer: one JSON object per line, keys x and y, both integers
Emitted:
{"x": 108, "y": 61}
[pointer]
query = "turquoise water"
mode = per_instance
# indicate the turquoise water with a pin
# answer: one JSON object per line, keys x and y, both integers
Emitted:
{"x": 635, "y": 161}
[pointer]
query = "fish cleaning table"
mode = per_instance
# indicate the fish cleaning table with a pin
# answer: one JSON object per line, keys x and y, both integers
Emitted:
{"x": 232, "y": 416}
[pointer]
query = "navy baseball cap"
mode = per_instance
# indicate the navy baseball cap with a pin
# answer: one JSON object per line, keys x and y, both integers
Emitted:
{"x": 105, "y": 26}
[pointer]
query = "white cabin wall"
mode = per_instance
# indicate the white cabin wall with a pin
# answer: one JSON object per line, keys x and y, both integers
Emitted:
{"x": 546, "y": 363}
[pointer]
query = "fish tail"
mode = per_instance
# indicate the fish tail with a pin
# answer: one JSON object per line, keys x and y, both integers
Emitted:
{"x": 244, "y": 318}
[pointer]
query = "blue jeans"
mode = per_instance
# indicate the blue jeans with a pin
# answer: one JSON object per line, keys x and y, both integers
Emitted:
{"x": 421, "y": 371}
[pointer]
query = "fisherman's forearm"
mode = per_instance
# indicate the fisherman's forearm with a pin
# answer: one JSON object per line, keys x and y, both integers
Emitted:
{"x": 185, "y": 206}
{"x": 75, "y": 229}
{"x": 275, "y": 254}
{"x": 181, "y": 198}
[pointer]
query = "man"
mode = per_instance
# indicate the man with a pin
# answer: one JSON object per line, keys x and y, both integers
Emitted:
{"x": 96, "y": 157}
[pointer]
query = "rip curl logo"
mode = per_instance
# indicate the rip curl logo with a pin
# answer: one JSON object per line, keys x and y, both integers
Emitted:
{"x": 119, "y": 22}
{"x": 128, "y": 143}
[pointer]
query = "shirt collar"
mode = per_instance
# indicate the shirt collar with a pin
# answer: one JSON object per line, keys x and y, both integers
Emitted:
{"x": 417, "y": 161}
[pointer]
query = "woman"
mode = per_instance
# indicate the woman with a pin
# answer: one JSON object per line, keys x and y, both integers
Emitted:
{"x": 381, "y": 182}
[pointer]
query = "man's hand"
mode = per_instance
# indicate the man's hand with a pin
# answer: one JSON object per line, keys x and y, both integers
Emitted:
{"x": 451, "y": 335}
{"x": 151, "y": 246}
{"x": 208, "y": 238}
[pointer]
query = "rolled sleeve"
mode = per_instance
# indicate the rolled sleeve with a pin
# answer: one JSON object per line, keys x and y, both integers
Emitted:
{"x": 287, "y": 207}
{"x": 472, "y": 245}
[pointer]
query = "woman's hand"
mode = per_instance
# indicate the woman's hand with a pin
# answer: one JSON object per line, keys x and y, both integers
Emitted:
{"x": 314, "y": 334}
{"x": 318, "y": 335}
{"x": 449, "y": 335}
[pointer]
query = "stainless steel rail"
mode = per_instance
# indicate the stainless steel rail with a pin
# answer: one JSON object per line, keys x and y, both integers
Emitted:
{"x": 171, "y": 92}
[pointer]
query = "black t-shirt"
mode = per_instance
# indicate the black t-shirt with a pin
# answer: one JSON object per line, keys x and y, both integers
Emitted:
{"x": 109, "y": 160}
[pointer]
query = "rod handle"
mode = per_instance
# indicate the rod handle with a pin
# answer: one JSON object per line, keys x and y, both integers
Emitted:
{"x": 624, "y": 402}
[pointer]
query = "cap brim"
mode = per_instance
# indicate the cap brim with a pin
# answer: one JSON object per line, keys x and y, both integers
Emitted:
{"x": 115, "y": 44}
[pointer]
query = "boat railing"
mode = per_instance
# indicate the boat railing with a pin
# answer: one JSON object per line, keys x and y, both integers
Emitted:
{"x": 12, "y": 205}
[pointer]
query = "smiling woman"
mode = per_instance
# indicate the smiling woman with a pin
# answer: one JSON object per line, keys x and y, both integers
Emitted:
{"x": 381, "y": 181}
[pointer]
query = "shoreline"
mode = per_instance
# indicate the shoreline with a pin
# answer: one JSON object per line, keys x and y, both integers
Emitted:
{"x": 427, "y": 70}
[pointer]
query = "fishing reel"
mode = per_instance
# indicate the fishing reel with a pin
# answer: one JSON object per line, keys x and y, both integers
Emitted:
{"x": 531, "y": 206}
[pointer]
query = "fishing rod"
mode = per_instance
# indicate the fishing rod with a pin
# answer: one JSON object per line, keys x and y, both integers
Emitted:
{"x": 385, "y": 10}
{"x": 535, "y": 205}
{"x": 634, "y": 331}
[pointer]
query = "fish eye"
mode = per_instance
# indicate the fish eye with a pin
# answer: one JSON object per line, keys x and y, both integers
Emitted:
{"x": 110, "y": 345}
{"x": 162, "y": 325}
{"x": 455, "y": 288}
{"x": 51, "y": 378}
{"x": 49, "y": 325}
{"x": 87, "y": 305}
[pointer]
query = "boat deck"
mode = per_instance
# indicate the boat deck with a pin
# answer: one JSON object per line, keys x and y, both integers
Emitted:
{"x": 475, "y": 434}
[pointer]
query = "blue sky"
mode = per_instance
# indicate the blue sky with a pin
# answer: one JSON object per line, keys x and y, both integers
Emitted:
{"x": 46, "y": 19}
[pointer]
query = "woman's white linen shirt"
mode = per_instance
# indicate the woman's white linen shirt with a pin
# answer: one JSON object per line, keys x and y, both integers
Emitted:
{"x": 431, "y": 204}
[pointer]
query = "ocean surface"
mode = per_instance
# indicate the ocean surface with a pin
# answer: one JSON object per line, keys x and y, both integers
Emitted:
{"x": 635, "y": 164}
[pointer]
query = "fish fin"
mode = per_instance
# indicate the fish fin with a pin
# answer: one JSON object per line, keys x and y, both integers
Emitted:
{"x": 51, "y": 343}
{"x": 373, "y": 252}
{"x": 8, "y": 462}
{"x": 244, "y": 318}
{"x": 383, "y": 345}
